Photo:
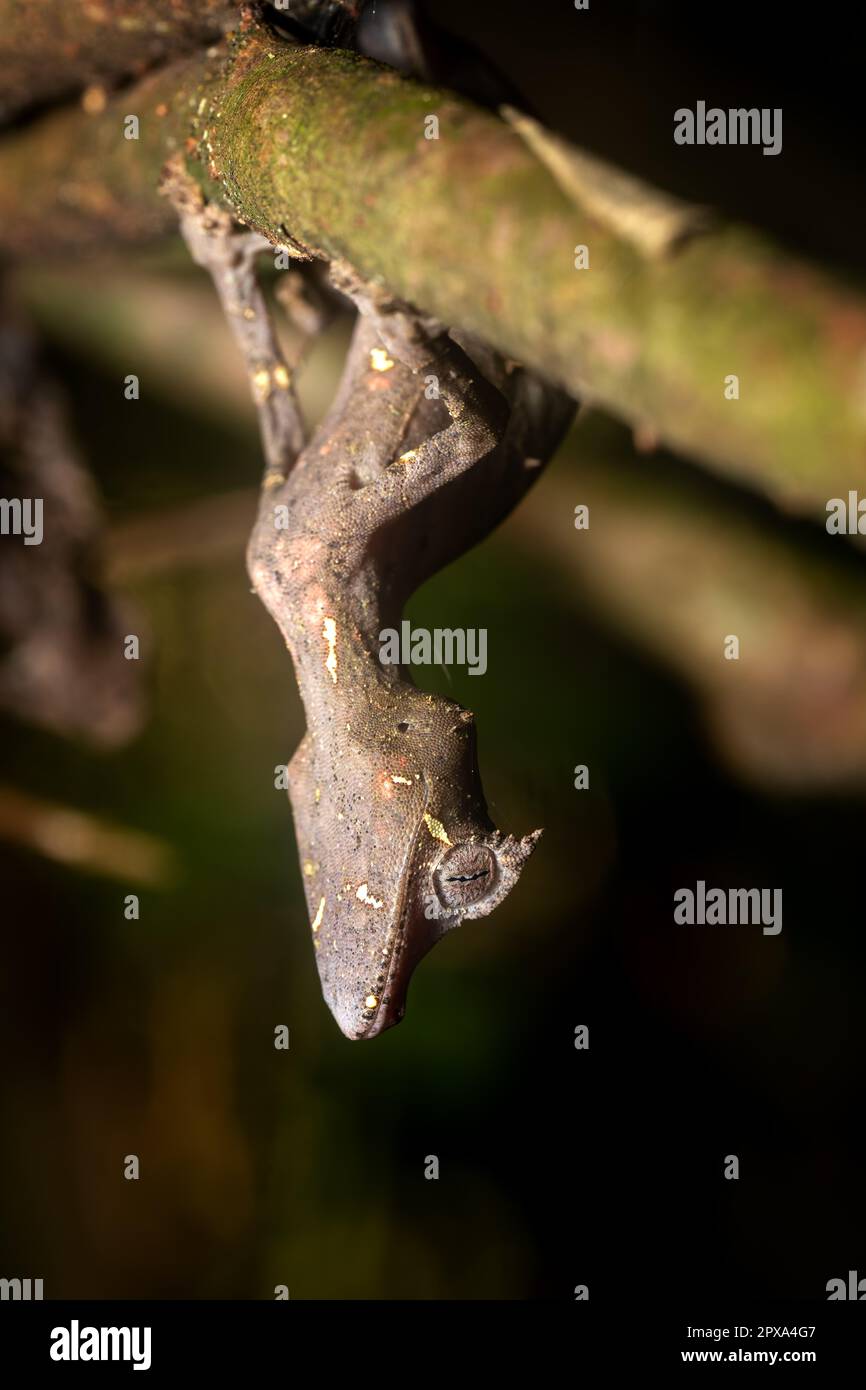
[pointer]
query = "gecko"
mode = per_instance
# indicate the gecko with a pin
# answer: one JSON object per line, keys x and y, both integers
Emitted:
{"x": 395, "y": 840}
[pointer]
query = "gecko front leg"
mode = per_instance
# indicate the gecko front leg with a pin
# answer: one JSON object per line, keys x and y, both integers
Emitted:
{"x": 229, "y": 255}
{"x": 477, "y": 411}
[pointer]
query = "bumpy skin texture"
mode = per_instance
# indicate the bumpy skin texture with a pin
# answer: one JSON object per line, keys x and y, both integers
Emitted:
{"x": 395, "y": 841}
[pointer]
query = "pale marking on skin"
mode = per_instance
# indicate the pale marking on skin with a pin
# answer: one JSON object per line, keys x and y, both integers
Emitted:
{"x": 320, "y": 912}
{"x": 380, "y": 361}
{"x": 282, "y": 377}
{"x": 436, "y": 828}
{"x": 371, "y": 1002}
{"x": 309, "y": 868}
{"x": 365, "y": 896}
{"x": 318, "y": 795}
{"x": 409, "y": 457}
{"x": 261, "y": 381}
{"x": 401, "y": 781}
{"x": 329, "y": 632}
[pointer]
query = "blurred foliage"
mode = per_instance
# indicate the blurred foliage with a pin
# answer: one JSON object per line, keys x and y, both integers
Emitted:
{"x": 305, "y": 1167}
{"x": 262, "y": 1167}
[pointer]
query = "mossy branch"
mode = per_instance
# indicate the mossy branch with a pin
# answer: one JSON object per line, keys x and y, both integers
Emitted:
{"x": 324, "y": 147}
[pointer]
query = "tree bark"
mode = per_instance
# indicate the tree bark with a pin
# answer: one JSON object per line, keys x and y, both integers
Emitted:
{"x": 329, "y": 149}
{"x": 50, "y": 50}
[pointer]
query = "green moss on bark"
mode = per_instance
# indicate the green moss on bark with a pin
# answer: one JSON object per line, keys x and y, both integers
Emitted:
{"x": 329, "y": 149}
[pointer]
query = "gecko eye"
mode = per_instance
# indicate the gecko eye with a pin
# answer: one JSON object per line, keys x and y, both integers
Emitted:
{"x": 465, "y": 876}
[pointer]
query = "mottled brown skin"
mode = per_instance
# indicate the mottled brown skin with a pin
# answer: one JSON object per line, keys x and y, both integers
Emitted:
{"x": 395, "y": 841}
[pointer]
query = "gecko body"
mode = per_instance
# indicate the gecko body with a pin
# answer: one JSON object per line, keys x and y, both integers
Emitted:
{"x": 395, "y": 841}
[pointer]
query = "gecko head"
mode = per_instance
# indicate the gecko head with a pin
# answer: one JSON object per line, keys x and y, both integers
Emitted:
{"x": 403, "y": 841}
{"x": 444, "y": 884}
{"x": 462, "y": 879}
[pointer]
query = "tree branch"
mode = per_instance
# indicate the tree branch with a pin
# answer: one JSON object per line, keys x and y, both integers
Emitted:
{"x": 48, "y": 51}
{"x": 327, "y": 148}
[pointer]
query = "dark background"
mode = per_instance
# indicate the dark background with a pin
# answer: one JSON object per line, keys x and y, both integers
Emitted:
{"x": 558, "y": 1167}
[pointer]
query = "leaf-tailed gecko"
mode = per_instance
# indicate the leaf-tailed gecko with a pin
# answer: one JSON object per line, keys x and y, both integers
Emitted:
{"x": 395, "y": 841}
